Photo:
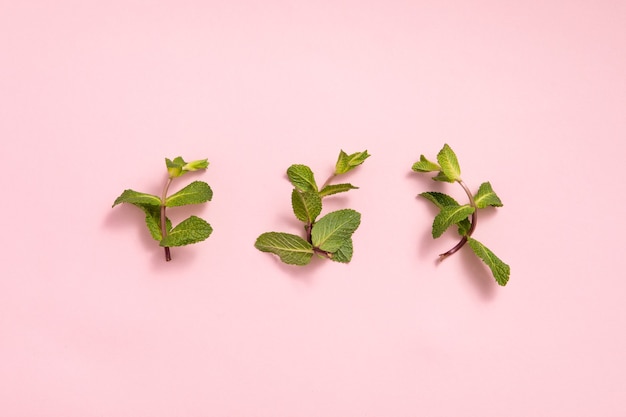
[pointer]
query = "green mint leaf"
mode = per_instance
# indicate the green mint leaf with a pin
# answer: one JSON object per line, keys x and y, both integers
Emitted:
{"x": 449, "y": 163}
{"x": 191, "y": 230}
{"x": 331, "y": 231}
{"x": 196, "y": 165}
{"x": 347, "y": 162}
{"x": 441, "y": 200}
{"x": 486, "y": 196}
{"x": 306, "y": 205}
{"x": 344, "y": 253}
{"x": 137, "y": 198}
{"x": 302, "y": 177}
{"x": 175, "y": 167}
{"x": 336, "y": 188}
{"x": 499, "y": 269}
{"x": 195, "y": 193}
{"x": 424, "y": 165}
{"x": 464, "y": 227}
{"x": 153, "y": 221}
{"x": 178, "y": 166}
{"x": 290, "y": 248}
{"x": 448, "y": 216}
{"x": 441, "y": 177}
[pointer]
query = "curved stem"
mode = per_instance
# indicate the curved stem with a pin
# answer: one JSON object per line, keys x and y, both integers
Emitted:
{"x": 168, "y": 256}
{"x": 473, "y": 221}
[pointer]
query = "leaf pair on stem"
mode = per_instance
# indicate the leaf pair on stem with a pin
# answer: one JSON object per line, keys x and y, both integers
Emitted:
{"x": 463, "y": 216}
{"x": 330, "y": 236}
{"x": 191, "y": 230}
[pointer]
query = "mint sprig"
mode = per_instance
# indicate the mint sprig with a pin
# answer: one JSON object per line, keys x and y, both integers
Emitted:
{"x": 463, "y": 216}
{"x": 328, "y": 237}
{"x": 191, "y": 230}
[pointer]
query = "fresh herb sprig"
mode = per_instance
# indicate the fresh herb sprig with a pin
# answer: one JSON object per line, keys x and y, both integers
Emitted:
{"x": 330, "y": 236}
{"x": 191, "y": 230}
{"x": 452, "y": 212}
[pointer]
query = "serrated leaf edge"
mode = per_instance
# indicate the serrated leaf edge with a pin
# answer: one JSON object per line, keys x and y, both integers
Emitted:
{"x": 485, "y": 254}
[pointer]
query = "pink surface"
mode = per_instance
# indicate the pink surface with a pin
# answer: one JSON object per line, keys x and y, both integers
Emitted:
{"x": 93, "y": 96}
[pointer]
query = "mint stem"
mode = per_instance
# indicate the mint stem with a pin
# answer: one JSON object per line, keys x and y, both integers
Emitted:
{"x": 168, "y": 256}
{"x": 473, "y": 221}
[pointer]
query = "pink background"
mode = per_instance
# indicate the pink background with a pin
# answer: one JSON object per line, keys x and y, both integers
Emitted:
{"x": 93, "y": 96}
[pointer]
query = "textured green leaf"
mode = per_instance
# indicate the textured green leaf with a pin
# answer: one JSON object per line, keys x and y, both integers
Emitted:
{"x": 441, "y": 200}
{"x": 153, "y": 221}
{"x": 347, "y": 162}
{"x": 191, "y": 230}
{"x": 175, "y": 167}
{"x": 448, "y": 216}
{"x": 290, "y": 248}
{"x": 331, "y": 231}
{"x": 442, "y": 177}
{"x": 449, "y": 163}
{"x": 302, "y": 177}
{"x": 195, "y": 193}
{"x": 306, "y": 205}
{"x": 179, "y": 166}
{"x": 486, "y": 196}
{"x": 344, "y": 253}
{"x": 501, "y": 271}
{"x": 178, "y": 162}
{"x": 137, "y": 198}
{"x": 196, "y": 165}
{"x": 424, "y": 165}
{"x": 464, "y": 226}
{"x": 336, "y": 188}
